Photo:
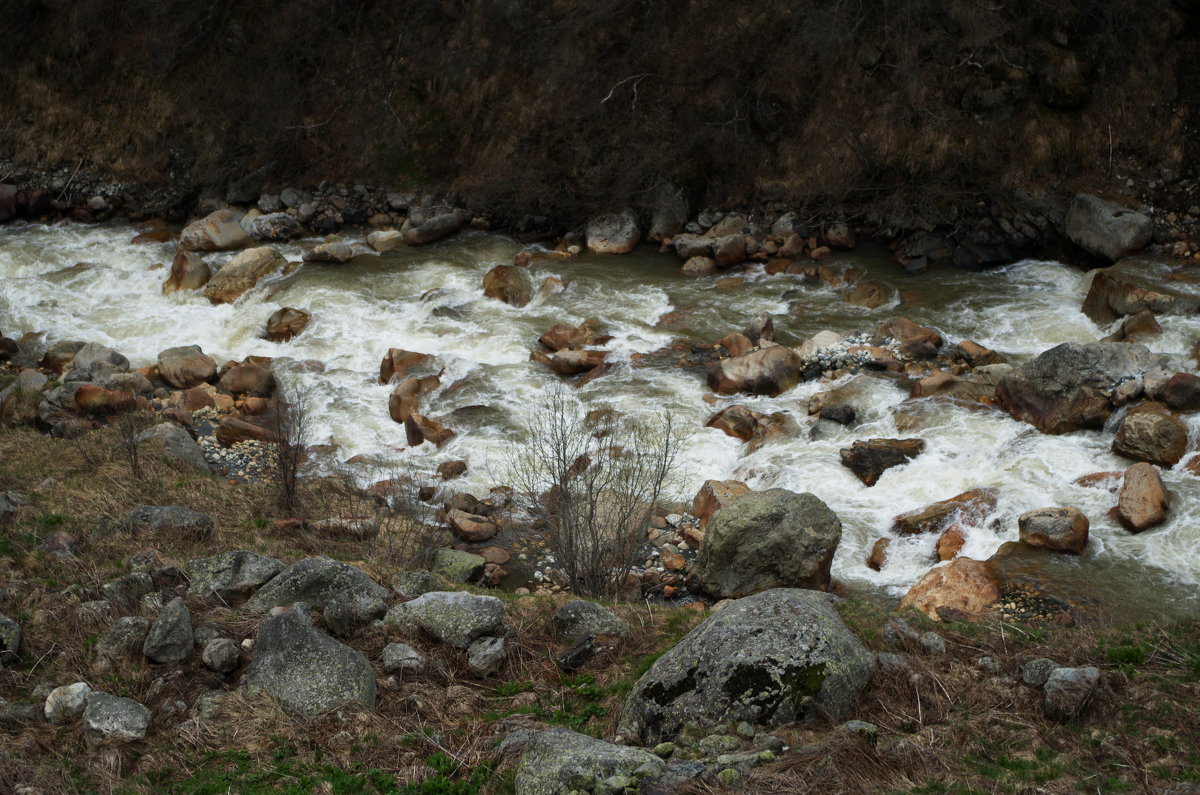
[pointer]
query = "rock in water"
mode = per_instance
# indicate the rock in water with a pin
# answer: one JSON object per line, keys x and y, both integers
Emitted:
{"x": 217, "y": 231}
{"x": 965, "y": 585}
{"x": 188, "y": 272}
{"x": 1151, "y": 433}
{"x": 767, "y": 371}
{"x": 614, "y": 233}
{"x": 871, "y": 458}
{"x": 1142, "y": 501}
{"x": 1105, "y": 229}
{"x": 768, "y": 539}
{"x": 560, "y": 760}
{"x": 241, "y": 273}
{"x": 760, "y": 659}
{"x": 1059, "y": 529}
{"x": 307, "y": 671}
{"x": 437, "y": 228}
{"x": 1110, "y": 297}
{"x": 275, "y": 227}
{"x": 509, "y": 284}
{"x": 286, "y": 323}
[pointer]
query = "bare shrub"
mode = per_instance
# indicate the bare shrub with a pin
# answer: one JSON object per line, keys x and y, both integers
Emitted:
{"x": 289, "y": 422}
{"x": 590, "y": 483}
{"x": 129, "y": 425}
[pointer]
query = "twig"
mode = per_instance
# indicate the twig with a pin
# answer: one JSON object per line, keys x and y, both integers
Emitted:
{"x": 72, "y": 179}
{"x": 636, "y": 79}
{"x": 332, "y": 116}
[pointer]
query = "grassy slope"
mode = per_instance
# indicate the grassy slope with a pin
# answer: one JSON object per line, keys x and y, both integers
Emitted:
{"x": 966, "y": 730}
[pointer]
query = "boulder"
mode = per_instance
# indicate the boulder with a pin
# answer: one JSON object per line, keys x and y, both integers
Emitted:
{"x": 770, "y": 659}
{"x": 950, "y": 542}
{"x": 385, "y": 240}
{"x": 94, "y": 360}
{"x": 66, "y": 703}
{"x": 231, "y": 431}
{"x": 729, "y": 250}
{"x": 123, "y": 640}
{"x": 221, "y": 655}
{"x": 839, "y": 235}
{"x": 1136, "y": 328}
{"x": 275, "y": 227}
{"x": 866, "y": 293}
{"x": 188, "y": 272}
{"x": 453, "y": 617}
{"x": 128, "y": 590}
{"x": 970, "y": 507}
{"x": 768, "y": 539}
{"x": 915, "y": 340}
{"x": 1064, "y": 388}
{"x": 335, "y": 251}
{"x": 244, "y": 380}
{"x": 10, "y": 640}
{"x": 766, "y": 371}
{"x": 177, "y": 443}
{"x": 1142, "y": 501}
{"x": 437, "y": 228}
{"x": 559, "y": 760}
{"x": 751, "y": 427}
{"x": 715, "y": 495}
{"x": 698, "y": 267}
{"x": 345, "y": 617}
{"x": 241, "y": 273}
{"x": 1150, "y": 432}
{"x": 418, "y": 429}
{"x": 231, "y": 575}
{"x": 509, "y": 284}
{"x": 964, "y": 585}
{"x": 669, "y": 214}
{"x": 568, "y": 363}
{"x": 286, "y": 323}
{"x": 486, "y": 656}
{"x": 1110, "y": 297}
{"x": 878, "y": 555}
{"x": 1182, "y": 392}
{"x": 1069, "y": 692}
{"x": 871, "y": 458}
{"x": 1105, "y": 229}
{"x": 400, "y": 658}
{"x": 405, "y": 399}
{"x": 564, "y": 336}
{"x": 941, "y": 383}
{"x": 397, "y": 362}
{"x": 170, "y": 639}
{"x": 217, "y": 231}
{"x": 110, "y": 720}
{"x": 173, "y": 521}
{"x": 1059, "y": 529}
{"x": 316, "y": 581}
{"x": 186, "y": 366}
{"x": 581, "y": 617}
{"x": 470, "y": 527}
{"x": 457, "y": 566}
{"x": 975, "y": 355}
{"x": 613, "y": 233}
{"x": 307, "y": 671}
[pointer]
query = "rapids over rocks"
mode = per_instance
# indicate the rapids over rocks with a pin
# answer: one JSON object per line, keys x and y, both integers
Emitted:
{"x": 90, "y": 283}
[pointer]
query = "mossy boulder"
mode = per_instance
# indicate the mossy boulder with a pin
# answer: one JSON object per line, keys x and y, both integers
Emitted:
{"x": 770, "y": 659}
{"x": 317, "y": 581}
{"x": 452, "y": 617}
{"x": 560, "y": 760}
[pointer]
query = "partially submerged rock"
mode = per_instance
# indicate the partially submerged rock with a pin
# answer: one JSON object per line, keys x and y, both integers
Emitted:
{"x": 217, "y": 231}
{"x": 766, "y": 371}
{"x": 871, "y": 458}
{"x": 969, "y": 507}
{"x": 1059, "y": 529}
{"x": 1150, "y": 432}
{"x": 242, "y": 273}
{"x": 963, "y": 585}
{"x": 1142, "y": 501}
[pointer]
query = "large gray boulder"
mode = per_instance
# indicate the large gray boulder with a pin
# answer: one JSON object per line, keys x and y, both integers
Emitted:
{"x": 560, "y": 760}
{"x": 274, "y": 227}
{"x": 613, "y": 233}
{"x": 231, "y": 575}
{"x": 112, "y": 720}
{"x": 1069, "y": 386}
{"x": 170, "y": 639}
{"x": 1105, "y": 229}
{"x": 768, "y": 539}
{"x": 217, "y": 231}
{"x": 437, "y": 228}
{"x": 760, "y": 660}
{"x": 124, "y": 638}
{"x": 10, "y": 640}
{"x": 174, "y": 520}
{"x": 317, "y": 581}
{"x": 94, "y": 361}
{"x": 307, "y": 671}
{"x": 177, "y": 443}
{"x": 452, "y": 617}
{"x": 582, "y": 617}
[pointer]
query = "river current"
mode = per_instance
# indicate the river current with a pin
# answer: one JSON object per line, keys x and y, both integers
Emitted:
{"x": 429, "y": 300}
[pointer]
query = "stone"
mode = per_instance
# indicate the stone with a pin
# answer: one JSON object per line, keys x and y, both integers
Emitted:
{"x": 1059, "y": 529}
{"x": 950, "y": 542}
{"x": 411, "y": 584}
{"x": 456, "y": 565}
{"x": 778, "y": 657}
{"x": 275, "y": 227}
{"x": 334, "y": 251}
{"x": 469, "y": 527}
{"x": 878, "y": 555}
{"x": 453, "y": 617}
{"x": 766, "y": 371}
{"x": 356, "y": 528}
{"x": 217, "y": 231}
{"x": 613, "y": 233}
{"x": 170, "y": 639}
{"x": 449, "y": 470}
{"x": 1112, "y": 295}
{"x": 508, "y": 283}
{"x": 93, "y": 358}
{"x": 436, "y": 228}
{"x": 486, "y": 656}
{"x": 970, "y": 507}
{"x": 188, "y": 272}
{"x": 286, "y": 323}
{"x": 916, "y": 341}
{"x": 307, "y": 671}
{"x": 405, "y": 399}
{"x": 965, "y": 585}
{"x": 1063, "y": 389}
{"x": 222, "y": 655}
{"x": 345, "y": 617}
{"x": 975, "y": 355}
{"x": 714, "y": 495}
{"x": 66, "y": 703}
{"x": 1182, "y": 392}
{"x": 1035, "y": 672}
{"x": 231, "y": 431}
{"x": 1105, "y": 229}
{"x": 10, "y": 640}
{"x": 1143, "y": 501}
{"x": 564, "y": 336}
{"x": 581, "y": 617}
{"x": 560, "y": 761}
{"x": 110, "y": 720}
{"x": 1069, "y": 692}
{"x": 397, "y": 362}
{"x": 128, "y": 590}
{"x": 698, "y": 267}
{"x": 231, "y": 575}
{"x": 1150, "y": 433}
{"x": 769, "y": 539}
{"x": 242, "y": 273}
{"x": 316, "y": 581}
{"x": 385, "y": 240}
{"x": 568, "y": 363}
{"x": 399, "y": 658}
{"x": 940, "y": 383}
{"x": 729, "y": 250}
{"x": 186, "y": 366}
{"x": 871, "y": 458}
{"x": 172, "y": 520}
{"x": 839, "y": 235}
{"x": 176, "y": 443}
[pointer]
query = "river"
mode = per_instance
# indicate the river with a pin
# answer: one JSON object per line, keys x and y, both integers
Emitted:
{"x": 429, "y": 300}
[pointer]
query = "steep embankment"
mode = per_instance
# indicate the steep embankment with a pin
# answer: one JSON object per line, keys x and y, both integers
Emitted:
{"x": 903, "y": 112}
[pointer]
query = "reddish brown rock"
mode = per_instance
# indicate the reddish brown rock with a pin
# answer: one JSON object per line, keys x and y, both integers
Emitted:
{"x": 471, "y": 527}
{"x": 1182, "y": 392}
{"x": 766, "y": 371}
{"x": 1059, "y": 529}
{"x": 939, "y": 382}
{"x": 286, "y": 323}
{"x": 916, "y": 341}
{"x": 736, "y": 344}
{"x": 970, "y": 507}
{"x": 866, "y": 293}
{"x": 1110, "y": 297}
{"x": 564, "y": 336}
{"x": 242, "y": 273}
{"x": 715, "y": 495}
{"x": 975, "y": 355}
{"x": 188, "y": 272}
{"x": 868, "y": 459}
{"x": 750, "y": 426}
{"x": 1150, "y": 432}
{"x": 95, "y": 399}
{"x": 449, "y": 470}
{"x": 1143, "y": 501}
{"x": 397, "y": 362}
{"x": 247, "y": 379}
{"x": 698, "y": 267}
{"x": 950, "y": 542}
{"x": 405, "y": 399}
{"x": 1109, "y": 481}
{"x": 969, "y": 586}
{"x": 231, "y": 430}
{"x": 570, "y": 362}
{"x": 508, "y": 283}
{"x": 186, "y": 366}
{"x": 878, "y": 554}
{"x": 419, "y": 429}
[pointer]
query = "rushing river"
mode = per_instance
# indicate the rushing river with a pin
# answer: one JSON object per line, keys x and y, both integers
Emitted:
{"x": 429, "y": 300}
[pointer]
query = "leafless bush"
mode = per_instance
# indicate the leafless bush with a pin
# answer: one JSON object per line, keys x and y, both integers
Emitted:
{"x": 590, "y": 482}
{"x": 289, "y": 422}
{"x": 129, "y": 424}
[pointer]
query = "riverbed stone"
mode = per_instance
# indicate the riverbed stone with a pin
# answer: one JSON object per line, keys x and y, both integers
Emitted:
{"x": 231, "y": 575}
{"x": 508, "y": 283}
{"x": 221, "y": 655}
{"x": 613, "y": 233}
{"x": 715, "y": 495}
{"x": 275, "y": 227}
{"x": 384, "y": 240}
{"x": 1143, "y": 501}
{"x": 1105, "y": 229}
{"x": 436, "y": 228}
{"x": 397, "y": 362}
{"x": 572, "y": 362}
{"x": 177, "y": 443}
{"x": 218, "y": 231}
{"x": 110, "y": 720}
{"x": 559, "y": 761}
{"x": 316, "y": 581}
{"x": 453, "y": 617}
{"x": 1113, "y": 294}
{"x": 871, "y": 458}
{"x": 1059, "y": 529}
{"x": 307, "y": 671}
{"x": 188, "y": 272}
{"x": 757, "y": 660}
{"x": 334, "y": 251}
{"x": 767, "y": 371}
{"x": 1150, "y": 432}
{"x": 581, "y": 617}
{"x": 186, "y": 366}
{"x": 1064, "y": 388}
{"x": 768, "y": 539}
{"x": 970, "y": 507}
{"x": 242, "y": 273}
{"x": 964, "y": 585}
{"x": 286, "y": 323}
{"x": 66, "y": 703}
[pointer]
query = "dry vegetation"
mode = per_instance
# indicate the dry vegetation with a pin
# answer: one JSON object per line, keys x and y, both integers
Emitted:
{"x": 955, "y": 727}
